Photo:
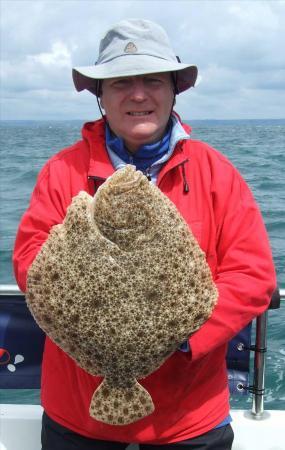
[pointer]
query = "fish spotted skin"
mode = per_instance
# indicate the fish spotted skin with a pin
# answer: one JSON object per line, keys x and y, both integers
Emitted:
{"x": 118, "y": 286}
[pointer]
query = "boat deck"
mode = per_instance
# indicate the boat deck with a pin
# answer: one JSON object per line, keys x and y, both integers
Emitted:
{"x": 20, "y": 429}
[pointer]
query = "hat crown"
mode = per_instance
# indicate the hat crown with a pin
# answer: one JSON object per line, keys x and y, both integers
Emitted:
{"x": 134, "y": 47}
{"x": 135, "y": 36}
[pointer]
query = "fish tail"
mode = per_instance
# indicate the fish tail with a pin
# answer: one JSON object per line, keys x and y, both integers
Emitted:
{"x": 120, "y": 405}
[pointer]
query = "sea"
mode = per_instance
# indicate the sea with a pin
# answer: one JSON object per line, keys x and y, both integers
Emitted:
{"x": 255, "y": 147}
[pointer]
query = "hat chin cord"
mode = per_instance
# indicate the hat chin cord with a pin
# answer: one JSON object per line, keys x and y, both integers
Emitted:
{"x": 100, "y": 109}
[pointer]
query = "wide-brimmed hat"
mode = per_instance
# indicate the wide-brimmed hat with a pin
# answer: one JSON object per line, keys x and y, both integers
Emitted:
{"x": 134, "y": 47}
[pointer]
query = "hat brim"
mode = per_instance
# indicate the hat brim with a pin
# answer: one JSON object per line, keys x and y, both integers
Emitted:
{"x": 133, "y": 65}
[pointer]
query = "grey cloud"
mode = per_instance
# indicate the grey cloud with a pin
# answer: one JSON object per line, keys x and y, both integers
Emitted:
{"x": 238, "y": 47}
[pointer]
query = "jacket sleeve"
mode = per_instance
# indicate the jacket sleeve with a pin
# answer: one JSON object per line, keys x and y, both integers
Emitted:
{"x": 245, "y": 275}
{"x": 45, "y": 210}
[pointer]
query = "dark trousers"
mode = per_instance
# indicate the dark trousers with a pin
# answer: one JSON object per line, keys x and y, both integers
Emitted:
{"x": 57, "y": 437}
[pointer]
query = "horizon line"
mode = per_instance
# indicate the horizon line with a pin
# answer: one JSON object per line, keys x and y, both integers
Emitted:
{"x": 193, "y": 120}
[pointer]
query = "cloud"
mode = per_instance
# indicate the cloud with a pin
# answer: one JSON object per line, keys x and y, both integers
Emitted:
{"x": 237, "y": 45}
{"x": 59, "y": 56}
{"x": 45, "y": 70}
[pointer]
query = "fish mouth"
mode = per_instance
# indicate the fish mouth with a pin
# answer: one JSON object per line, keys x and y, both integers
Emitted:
{"x": 122, "y": 181}
{"x": 118, "y": 219}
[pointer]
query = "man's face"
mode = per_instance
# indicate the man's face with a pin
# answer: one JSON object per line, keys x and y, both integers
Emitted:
{"x": 138, "y": 108}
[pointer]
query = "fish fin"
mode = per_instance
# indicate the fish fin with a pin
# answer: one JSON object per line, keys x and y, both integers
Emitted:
{"x": 120, "y": 405}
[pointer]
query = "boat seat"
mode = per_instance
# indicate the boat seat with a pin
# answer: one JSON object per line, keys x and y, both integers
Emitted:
{"x": 22, "y": 343}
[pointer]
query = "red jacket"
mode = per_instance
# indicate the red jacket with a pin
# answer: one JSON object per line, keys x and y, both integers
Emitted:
{"x": 190, "y": 392}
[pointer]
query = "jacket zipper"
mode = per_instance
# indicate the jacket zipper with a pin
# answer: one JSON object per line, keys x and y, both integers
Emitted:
{"x": 185, "y": 182}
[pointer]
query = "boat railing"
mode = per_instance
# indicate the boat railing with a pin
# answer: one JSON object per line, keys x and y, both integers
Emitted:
{"x": 260, "y": 350}
{"x": 259, "y": 347}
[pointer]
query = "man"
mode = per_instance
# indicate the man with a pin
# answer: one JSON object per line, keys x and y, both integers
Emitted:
{"x": 135, "y": 79}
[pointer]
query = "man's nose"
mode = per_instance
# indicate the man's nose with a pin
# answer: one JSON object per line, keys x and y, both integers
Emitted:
{"x": 138, "y": 92}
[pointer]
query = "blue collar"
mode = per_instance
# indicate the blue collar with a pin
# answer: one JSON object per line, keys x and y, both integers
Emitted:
{"x": 146, "y": 154}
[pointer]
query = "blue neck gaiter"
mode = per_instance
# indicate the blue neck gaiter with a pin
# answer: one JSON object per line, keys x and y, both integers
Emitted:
{"x": 146, "y": 154}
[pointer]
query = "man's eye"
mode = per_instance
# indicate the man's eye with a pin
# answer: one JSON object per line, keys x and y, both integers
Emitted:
{"x": 121, "y": 83}
{"x": 153, "y": 81}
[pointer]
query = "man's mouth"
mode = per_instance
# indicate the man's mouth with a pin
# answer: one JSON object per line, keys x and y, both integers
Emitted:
{"x": 139, "y": 113}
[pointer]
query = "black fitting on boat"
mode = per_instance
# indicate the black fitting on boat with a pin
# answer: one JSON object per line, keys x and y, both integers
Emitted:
{"x": 256, "y": 349}
{"x": 253, "y": 390}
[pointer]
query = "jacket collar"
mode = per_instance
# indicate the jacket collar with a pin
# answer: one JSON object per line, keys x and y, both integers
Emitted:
{"x": 100, "y": 165}
{"x": 178, "y": 157}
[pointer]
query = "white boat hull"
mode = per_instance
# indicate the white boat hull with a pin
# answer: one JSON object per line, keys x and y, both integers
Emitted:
{"x": 20, "y": 427}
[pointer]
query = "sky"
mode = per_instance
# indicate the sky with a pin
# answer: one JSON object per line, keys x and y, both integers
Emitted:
{"x": 238, "y": 46}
